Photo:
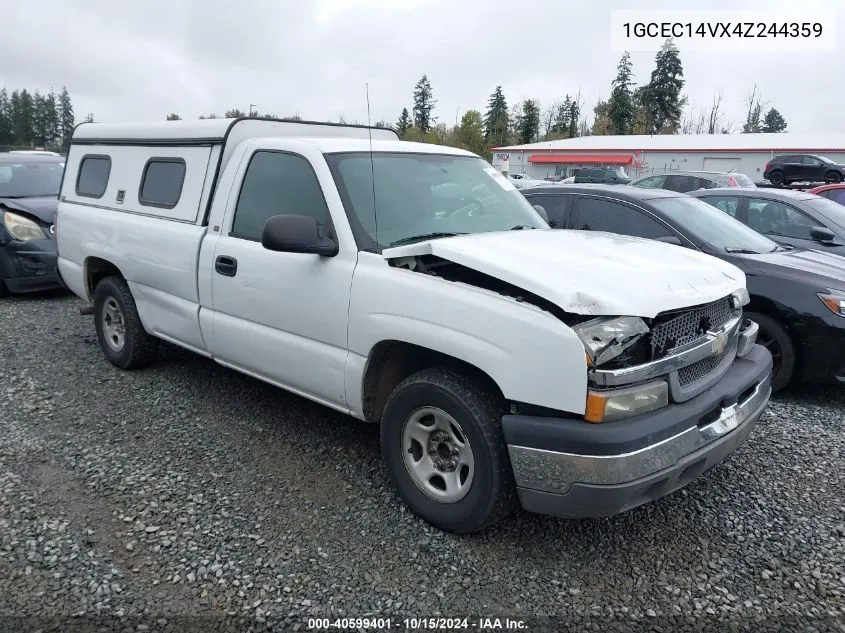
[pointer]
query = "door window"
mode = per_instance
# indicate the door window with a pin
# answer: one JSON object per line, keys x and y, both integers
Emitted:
{"x": 775, "y": 218}
{"x": 556, "y": 207}
{"x": 728, "y": 204}
{"x": 277, "y": 184}
{"x": 596, "y": 214}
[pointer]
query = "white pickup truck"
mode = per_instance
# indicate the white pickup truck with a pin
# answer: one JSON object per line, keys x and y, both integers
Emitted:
{"x": 412, "y": 286}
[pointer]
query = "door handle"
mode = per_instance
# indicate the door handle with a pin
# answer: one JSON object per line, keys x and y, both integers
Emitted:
{"x": 226, "y": 265}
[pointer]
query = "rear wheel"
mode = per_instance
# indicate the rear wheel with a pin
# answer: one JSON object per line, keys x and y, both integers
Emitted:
{"x": 776, "y": 339}
{"x": 122, "y": 336}
{"x": 833, "y": 177}
{"x": 441, "y": 439}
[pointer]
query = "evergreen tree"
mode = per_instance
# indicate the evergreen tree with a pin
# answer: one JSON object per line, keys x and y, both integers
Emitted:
{"x": 528, "y": 122}
{"x": 574, "y": 116}
{"x": 234, "y": 113}
{"x": 173, "y": 117}
{"x": 51, "y": 115}
{"x": 621, "y": 108}
{"x": 424, "y": 103}
{"x": 496, "y": 120}
{"x": 39, "y": 120}
{"x": 662, "y": 99}
{"x": 66, "y": 118}
{"x": 404, "y": 123}
{"x": 773, "y": 122}
{"x": 560, "y": 127}
{"x": 5, "y": 118}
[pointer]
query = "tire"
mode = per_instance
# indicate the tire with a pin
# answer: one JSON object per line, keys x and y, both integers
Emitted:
{"x": 436, "y": 398}
{"x": 776, "y": 178}
{"x": 115, "y": 313}
{"x": 777, "y": 340}
{"x": 833, "y": 177}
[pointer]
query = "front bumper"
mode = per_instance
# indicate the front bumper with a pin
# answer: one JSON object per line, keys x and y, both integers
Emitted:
{"x": 822, "y": 348}
{"x": 567, "y": 467}
{"x": 29, "y": 266}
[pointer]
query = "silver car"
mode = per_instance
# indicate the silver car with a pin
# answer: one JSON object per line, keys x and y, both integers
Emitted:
{"x": 686, "y": 181}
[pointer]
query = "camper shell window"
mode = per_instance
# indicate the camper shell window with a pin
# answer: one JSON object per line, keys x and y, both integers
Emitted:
{"x": 93, "y": 177}
{"x": 161, "y": 184}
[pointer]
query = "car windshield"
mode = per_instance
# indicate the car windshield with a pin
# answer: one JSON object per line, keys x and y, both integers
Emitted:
{"x": 833, "y": 211}
{"x": 421, "y": 195}
{"x": 709, "y": 224}
{"x": 30, "y": 179}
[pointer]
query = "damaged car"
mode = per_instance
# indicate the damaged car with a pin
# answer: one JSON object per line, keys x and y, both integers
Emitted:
{"x": 412, "y": 286}
{"x": 29, "y": 188}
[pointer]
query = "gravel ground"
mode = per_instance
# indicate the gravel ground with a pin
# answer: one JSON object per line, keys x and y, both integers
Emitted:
{"x": 190, "y": 497}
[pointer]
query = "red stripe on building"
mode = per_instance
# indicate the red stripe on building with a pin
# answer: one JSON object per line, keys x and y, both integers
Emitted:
{"x": 585, "y": 159}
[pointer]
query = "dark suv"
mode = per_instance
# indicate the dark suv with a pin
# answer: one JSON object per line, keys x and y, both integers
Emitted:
{"x": 782, "y": 170}
{"x": 603, "y": 176}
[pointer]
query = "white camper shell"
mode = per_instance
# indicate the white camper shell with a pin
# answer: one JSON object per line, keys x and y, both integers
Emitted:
{"x": 385, "y": 279}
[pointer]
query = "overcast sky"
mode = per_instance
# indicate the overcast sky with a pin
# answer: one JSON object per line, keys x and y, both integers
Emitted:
{"x": 139, "y": 60}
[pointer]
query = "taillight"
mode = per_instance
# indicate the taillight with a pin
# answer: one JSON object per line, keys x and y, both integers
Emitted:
{"x": 766, "y": 168}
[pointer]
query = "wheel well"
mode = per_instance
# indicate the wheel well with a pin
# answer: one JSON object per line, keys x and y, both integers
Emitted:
{"x": 96, "y": 270}
{"x": 391, "y": 362}
{"x": 765, "y": 306}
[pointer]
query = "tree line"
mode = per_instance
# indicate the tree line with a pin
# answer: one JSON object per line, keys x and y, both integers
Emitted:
{"x": 30, "y": 119}
{"x": 656, "y": 107}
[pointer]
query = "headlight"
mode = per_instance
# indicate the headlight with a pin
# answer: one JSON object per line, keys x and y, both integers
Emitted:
{"x": 606, "y": 338}
{"x": 617, "y": 404}
{"x": 835, "y": 301}
{"x": 21, "y": 228}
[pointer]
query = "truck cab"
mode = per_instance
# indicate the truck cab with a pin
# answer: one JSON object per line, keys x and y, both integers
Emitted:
{"x": 412, "y": 286}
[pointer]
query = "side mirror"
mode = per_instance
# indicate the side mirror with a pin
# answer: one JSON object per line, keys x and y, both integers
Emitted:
{"x": 296, "y": 234}
{"x": 823, "y": 235}
{"x": 670, "y": 239}
{"x": 542, "y": 212}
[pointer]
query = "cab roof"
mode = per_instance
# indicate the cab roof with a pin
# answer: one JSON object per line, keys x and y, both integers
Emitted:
{"x": 623, "y": 192}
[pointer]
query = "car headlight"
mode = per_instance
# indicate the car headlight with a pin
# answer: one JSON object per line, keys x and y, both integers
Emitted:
{"x": 835, "y": 301}
{"x": 606, "y": 338}
{"x": 21, "y": 228}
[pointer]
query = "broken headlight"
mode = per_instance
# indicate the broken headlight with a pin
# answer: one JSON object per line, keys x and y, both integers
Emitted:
{"x": 607, "y": 338}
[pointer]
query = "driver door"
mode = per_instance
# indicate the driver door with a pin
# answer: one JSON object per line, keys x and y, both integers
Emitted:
{"x": 281, "y": 316}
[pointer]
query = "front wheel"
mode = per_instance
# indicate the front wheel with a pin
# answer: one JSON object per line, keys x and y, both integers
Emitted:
{"x": 441, "y": 439}
{"x": 776, "y": 339}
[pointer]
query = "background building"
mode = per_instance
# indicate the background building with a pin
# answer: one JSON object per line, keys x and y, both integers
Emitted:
{"x": 643, "y": 155}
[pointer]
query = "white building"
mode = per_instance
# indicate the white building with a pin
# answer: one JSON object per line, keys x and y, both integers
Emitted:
{"x": 643, "y": 155}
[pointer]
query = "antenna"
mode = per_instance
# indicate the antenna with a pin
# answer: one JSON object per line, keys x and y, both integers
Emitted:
{"x": 372, "y": 164}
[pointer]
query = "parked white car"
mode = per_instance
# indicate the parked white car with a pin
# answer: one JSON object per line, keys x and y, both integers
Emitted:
{"x": 412, "y": 286}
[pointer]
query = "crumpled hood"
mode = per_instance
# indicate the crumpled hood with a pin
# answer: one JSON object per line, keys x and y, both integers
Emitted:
{"x": 588, "y": 272}
{"x": 41, "y": 208}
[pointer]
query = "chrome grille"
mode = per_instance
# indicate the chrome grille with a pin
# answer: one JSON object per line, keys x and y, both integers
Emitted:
{"x": 685, "y": 327}
{"x": 691, "y": 374}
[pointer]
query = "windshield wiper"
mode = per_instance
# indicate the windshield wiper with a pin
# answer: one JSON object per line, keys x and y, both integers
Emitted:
{"x": 424, "y": 236}
{"x": 520, "y": 227}
{"x": 782, "y": 247}
{"x": 738, "y": 249}
{"x": 32, "y": 195}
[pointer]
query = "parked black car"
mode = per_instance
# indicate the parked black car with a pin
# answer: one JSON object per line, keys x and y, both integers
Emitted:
{"x": 29, "y": 190}
{"x": 782, "y": 170}
{"x": 796, "y": 218}
{"x": 603, "y": 175}
{"x": 797, "y": 295}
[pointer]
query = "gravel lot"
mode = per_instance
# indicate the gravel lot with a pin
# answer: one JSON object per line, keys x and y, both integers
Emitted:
{"x": 190, "y": 497}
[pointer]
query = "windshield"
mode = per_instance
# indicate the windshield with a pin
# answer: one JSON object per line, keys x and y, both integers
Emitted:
{"x": 30, "y": 179}
{"x": 709, "y": 224}
{"x": 831, "y": 210}
{"x": 417, "y": 195}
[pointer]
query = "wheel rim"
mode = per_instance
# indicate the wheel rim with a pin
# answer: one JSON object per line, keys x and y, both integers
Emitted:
{"x": 767, "y": 340}
{"x": 114, "y": 329}
{"x": 437, "y": 455}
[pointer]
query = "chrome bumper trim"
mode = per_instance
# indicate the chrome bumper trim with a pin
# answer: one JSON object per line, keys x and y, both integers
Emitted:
{"x": 711, "y": 343}
{"x": 747, "y": 338}
{"x": 550, "y": 471}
